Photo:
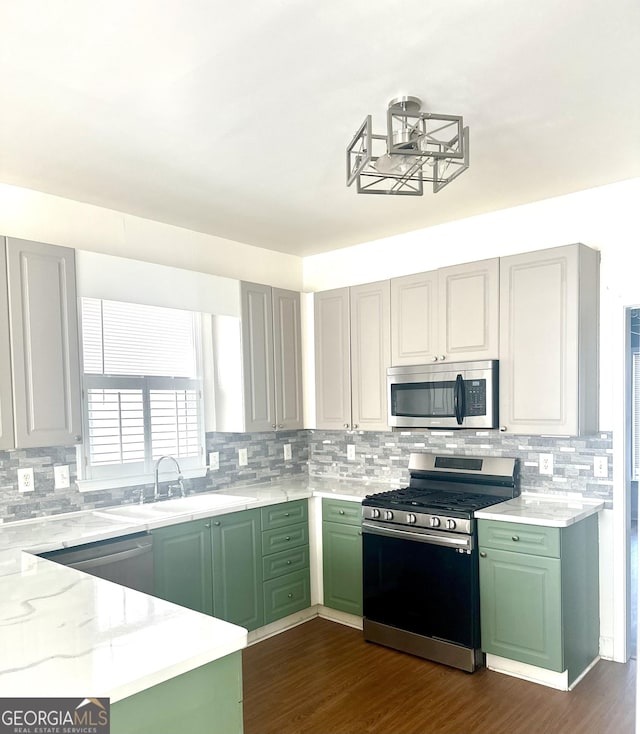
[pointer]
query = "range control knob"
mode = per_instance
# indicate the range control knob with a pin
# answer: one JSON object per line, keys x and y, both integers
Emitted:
{"x": 375, "y": 513}
{"x": 388, "y": 515}
{"x": 434, "y": 522}
{"x": 411, "y": 518}
{"x": 451, "y": 524}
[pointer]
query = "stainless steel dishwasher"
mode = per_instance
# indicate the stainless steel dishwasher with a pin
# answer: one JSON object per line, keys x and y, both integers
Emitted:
{"x": 127, "y": 560}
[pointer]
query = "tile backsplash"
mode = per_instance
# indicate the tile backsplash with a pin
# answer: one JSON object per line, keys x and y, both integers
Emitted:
{"x": 378, "y": 455}
{"x": 384, "y": 456}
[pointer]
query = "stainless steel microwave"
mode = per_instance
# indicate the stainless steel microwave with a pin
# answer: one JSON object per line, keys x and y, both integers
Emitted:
{"x": 444, "y": 395}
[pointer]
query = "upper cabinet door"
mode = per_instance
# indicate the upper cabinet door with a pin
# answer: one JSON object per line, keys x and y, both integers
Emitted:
{"x": 6, "y": 403}
{"x": 332, "y": 359}
{"x": 414, "y": 318}
{"x": 468, "y": 327}
{"x": 44, "y": 344}
{"x": 257, "y": 353}
{"x": 549, "y": 341}
{"x": 287, "y": 342}
{"x": 446, "y": 314}
{"x": 370, "y": 355}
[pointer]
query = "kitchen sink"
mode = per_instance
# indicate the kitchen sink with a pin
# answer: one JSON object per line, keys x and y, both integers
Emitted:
{"x": 178, "y": 506}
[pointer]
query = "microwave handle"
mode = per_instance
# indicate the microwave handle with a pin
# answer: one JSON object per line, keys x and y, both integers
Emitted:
{"x": 458, "y": 400}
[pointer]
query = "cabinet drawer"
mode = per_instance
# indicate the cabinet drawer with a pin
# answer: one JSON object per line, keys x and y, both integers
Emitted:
{"x": 286, "y": 595}
{"x": 283, "y": 538}
{"x": 342, "y": 511}
{"x": 286, "y": 513}
{"x": 533, "y": 539}
{"x": 287, "y": 561}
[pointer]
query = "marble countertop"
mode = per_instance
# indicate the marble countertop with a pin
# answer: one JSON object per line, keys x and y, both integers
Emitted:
{"x": 63, "y": 632}
{"x": 545, "y": 510}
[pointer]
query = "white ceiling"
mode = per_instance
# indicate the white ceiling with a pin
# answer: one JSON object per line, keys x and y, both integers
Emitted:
{"x": 233, "y": 118}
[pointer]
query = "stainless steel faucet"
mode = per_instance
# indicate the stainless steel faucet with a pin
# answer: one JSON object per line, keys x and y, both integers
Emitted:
{"x": 155, "y": 483}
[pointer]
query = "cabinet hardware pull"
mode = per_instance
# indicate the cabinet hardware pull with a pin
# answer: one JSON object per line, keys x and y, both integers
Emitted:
{"x": 515, "y": 537}
{"x": 483, "y": 554}
{"x": 286, "y": 514}
{"x": 442, "y": 357}
{"x": 288, "y": 537}
{"x": 281, "y": 425}
{"x": 288, "y": 563}
{"x": 342, "y": 512}
{"x": 217, "y": 522}
{"x": 207, "y": 525}
{"x": 503, "y": 428}
{"x": 273, "y": 425}
{"x": 290, "y": 596}
{"x": 346, "y": 425}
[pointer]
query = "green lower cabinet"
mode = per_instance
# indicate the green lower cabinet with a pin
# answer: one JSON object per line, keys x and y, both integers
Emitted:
{"x": 183, "y": 566}
{"x": 249, "y": 567}
{"x": 237, "y": 568}
{"x": 342, "y": 556}
{"x": 539, "y": 594}
{"x": 207, "y": 700}
{"x": 286, "y": 595}
{"x": 213, "y": 566}
{"x": 521, "y": 608}
{"x": 285, "y": 559}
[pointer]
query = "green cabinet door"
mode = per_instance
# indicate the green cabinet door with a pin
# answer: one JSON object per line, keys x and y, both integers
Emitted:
{"x": 237, "y": 568}
{"x": 342, "y": 566}
{"x": 521, "y": 607}
{"x": 183, "y": 565}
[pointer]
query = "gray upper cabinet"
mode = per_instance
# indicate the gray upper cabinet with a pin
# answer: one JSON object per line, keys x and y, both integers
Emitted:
{"x": 414, "y": 314}
{"x": 44, "y": 344}
{"x": 446, "y": 314}
{"x": 272, "y": 357}
{"x": 6, "y": 403}
{"x": 332, "y": 358}
{"x": 287, "y": 349}
{"x": 352, "y": 353}
{"x": 549, "y": 303}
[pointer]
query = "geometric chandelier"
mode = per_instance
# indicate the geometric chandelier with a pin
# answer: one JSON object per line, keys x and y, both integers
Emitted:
{"x": 418, "y": 147}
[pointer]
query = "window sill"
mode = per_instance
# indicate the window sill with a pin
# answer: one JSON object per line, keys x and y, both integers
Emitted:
{"x": 95, "y": 485}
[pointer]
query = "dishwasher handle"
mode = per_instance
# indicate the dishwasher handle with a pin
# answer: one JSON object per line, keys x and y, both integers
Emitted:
{"x": 102, "y": 560}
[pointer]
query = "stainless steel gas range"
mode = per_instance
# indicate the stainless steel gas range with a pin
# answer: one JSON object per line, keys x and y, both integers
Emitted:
{"x": 420, "y": 557}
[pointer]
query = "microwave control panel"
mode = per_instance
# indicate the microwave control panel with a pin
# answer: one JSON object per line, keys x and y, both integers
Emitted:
{"x": 475, "y": 393}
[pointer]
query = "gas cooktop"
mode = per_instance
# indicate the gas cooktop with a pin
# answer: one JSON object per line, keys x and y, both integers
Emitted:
{"x": 444, "y": 492}
{"x": 408, "y": 499}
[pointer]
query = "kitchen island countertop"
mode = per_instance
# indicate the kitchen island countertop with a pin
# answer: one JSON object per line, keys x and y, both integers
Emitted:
{"x": 67, "y": 633}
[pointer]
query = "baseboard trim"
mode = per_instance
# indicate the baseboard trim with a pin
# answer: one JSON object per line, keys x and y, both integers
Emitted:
{"x": 534, "y": 674}
{"x": 294, "y": 620}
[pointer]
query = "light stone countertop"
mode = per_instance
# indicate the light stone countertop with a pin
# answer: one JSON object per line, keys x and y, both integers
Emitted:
{"x": 66, "y": 633}
{"x": 544, "y": 510}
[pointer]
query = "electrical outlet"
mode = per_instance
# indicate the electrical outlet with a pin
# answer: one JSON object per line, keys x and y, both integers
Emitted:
{"x": 287, "y": 452}
{"x": 242, "y": 457}
{"x": 25, "y": 480}
{"x": 601, "y": 466}
{"x": 545, "y": 463}
{"x": 214, "y": 461}
{"x": 351, "y": 452}
{"x": 60, "y": 477}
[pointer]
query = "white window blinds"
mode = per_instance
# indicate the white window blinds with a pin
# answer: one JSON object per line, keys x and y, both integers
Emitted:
{"x": 142, "y": 386}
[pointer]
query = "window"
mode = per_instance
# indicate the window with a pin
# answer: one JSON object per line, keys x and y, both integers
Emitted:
{"x": 142, "y": 388}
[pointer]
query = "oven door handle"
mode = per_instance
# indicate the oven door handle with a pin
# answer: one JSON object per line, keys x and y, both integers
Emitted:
{"x": 448, "y": 540}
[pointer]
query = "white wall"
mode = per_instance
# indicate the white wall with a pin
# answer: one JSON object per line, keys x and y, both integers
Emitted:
{"x": 37, "y": 216}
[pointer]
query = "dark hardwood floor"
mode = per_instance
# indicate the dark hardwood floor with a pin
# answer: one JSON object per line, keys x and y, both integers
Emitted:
{"x": 322, "y": 678}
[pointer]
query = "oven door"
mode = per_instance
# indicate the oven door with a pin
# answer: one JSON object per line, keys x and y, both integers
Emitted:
{"x": 422, "y": 581}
